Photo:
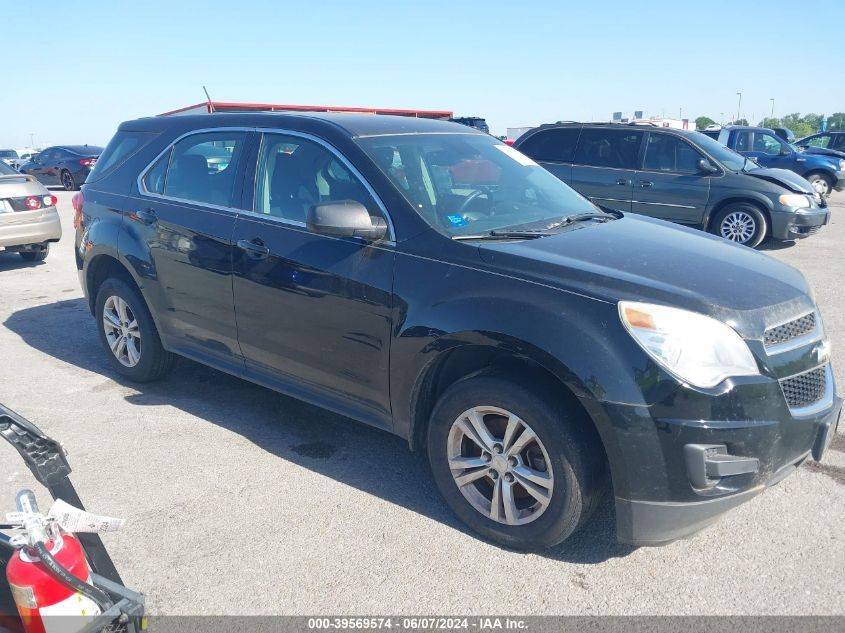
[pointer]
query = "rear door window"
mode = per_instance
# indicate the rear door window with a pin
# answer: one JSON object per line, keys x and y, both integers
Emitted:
{"x": 604, "y": 147}
{"x": 554, "y": 145}
{"x": 822, "y": 140}
{"x": 203, "y": 167}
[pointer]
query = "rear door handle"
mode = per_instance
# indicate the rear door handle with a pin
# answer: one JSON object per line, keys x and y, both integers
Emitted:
{"x": 254, "y": 248}
{"x": 623, "y": 182}
{"x": 147, "y": 216}
{"x": 645, "y": 184}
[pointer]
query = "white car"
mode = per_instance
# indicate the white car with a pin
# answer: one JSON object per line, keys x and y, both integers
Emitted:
{"x": 29, "y": 221}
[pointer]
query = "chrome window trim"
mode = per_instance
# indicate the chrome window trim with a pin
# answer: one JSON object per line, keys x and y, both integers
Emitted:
{"x": 664, "y": 204}
{"x": 337, "y": 154}
{"x": 144, "y": 192}
{"x": 142, "y": 189}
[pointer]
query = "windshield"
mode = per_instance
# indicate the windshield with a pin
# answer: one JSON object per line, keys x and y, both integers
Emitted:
{"x": 464, "y": 184}
{"x": 8, "y": 153}
{"x": 5, "y": 170}
{"x": 728, "y": 157}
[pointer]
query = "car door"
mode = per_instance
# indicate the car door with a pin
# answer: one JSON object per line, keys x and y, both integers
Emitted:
{"x": 604, "y": 165}
{"x": 185, "y": 217}
{"x": 768, "y": 150}
{"x": 313, "y": 311}
{"x": 670, "y": 185}
{"x": 554, "y": 149}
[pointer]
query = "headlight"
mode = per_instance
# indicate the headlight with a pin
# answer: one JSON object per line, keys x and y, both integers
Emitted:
{"x": 794, "y": 200}
{"x": 842, "y": 165}
{"x": 694, "y": 348}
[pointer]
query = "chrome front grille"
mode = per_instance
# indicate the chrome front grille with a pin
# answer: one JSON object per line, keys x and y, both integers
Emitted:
{"x": 805, "y": 389}
{"x": 790, "y": 330}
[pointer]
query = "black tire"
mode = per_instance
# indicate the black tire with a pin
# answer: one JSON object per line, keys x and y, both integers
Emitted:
{"x": 821, "y": 183}
{"x": 577, "y": 461}
{"x": 36, "y": 256}
{"x": 744, "y": 212}
{"x": 67, "y": 181}
{"x": 154, "y": 360}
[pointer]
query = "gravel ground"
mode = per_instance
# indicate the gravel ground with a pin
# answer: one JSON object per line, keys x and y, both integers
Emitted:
{"x": 242, "y": 501}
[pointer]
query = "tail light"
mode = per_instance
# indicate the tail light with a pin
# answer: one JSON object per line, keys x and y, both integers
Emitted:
{"x": 33, "y": 202}
{"x": 49, "y": 201}
{"x": 87, "y": 161}
{"x": 78, "y": 202}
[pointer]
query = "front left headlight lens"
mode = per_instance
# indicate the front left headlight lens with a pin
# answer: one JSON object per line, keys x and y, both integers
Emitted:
{"x": 695, "y": 348}
{"x": 794, "y": 200}
{"x": 842, "y": 165}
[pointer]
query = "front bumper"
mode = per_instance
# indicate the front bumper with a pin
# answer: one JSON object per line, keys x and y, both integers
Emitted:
{"x": 21, "y": 228}
{"x": 790, "y": 224}
{"x": 658, "y": 495}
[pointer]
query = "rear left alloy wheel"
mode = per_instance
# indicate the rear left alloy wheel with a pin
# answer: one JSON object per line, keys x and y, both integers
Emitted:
{"x": 511, "y": 465}
{"x": 67, "y": 181}
{"x": 128, "y": 332}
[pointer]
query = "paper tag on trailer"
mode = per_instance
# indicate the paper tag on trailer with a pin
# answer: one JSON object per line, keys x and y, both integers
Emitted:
{"x": 15, "y": 518}
{"x": 75, "y": 520}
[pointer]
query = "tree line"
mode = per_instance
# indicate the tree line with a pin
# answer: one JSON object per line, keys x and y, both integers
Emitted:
{"x": 802, "y": 125}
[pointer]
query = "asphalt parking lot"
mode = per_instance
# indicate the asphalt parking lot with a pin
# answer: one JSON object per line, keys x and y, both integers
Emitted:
{"x": 241, "y": 501}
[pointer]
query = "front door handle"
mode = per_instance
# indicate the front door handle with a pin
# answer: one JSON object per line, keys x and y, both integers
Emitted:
{"x": 147, "y": 216}
{"x": 254, "y": 248}
{"x": 645, "y": 184}
{"x": 623, "y": 182}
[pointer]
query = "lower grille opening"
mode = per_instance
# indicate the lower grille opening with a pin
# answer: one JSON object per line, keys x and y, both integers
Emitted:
{"x": 805, "y": 389}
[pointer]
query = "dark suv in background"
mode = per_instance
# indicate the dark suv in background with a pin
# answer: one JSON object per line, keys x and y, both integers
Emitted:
{"x": 430, "y": 280}
{"x": 65, "y": 165}
{"x": 680, "y": 176}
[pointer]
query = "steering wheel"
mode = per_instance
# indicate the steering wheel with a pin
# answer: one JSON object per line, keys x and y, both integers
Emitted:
{"x": 465, "y": 204}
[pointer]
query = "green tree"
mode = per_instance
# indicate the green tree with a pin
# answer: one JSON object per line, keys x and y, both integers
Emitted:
{"x": 702, "y": 122}
{"x": 836, "y": 122}
{"x": 739, "y": 122}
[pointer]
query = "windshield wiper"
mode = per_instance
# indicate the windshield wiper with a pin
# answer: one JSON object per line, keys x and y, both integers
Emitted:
{"x": 502, "y": 234}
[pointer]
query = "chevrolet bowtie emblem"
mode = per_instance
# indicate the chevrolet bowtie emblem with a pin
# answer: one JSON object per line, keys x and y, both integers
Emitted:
{"x": 822, "y": 352}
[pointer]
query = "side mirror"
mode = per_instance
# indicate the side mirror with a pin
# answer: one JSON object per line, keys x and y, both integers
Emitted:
{"x": 345, "y": 218}
{"x": 706, "y": 166}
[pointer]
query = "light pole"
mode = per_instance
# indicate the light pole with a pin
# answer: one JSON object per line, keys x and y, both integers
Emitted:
{"x": 721, "y": 118}
{"x": 31, "y": 140}
{"x": 738, "y": 105}
{"x": 772, "y": 99}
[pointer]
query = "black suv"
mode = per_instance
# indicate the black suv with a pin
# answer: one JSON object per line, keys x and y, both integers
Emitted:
{"x": 430, "y": 280}
{"x": 680, "y": 176}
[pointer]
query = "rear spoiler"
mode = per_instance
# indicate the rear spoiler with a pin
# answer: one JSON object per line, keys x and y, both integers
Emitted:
{"x": 25, "y": 177}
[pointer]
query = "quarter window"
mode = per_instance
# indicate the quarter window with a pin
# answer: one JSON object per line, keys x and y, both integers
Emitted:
{"x": 555, "y": 145}
{"x": 294, "y": 174}
{"x": 601, "y": 147}
{"x": 155, "y": 177}
{"x": 668, "y": 153}
{"x": 203, "y": 166}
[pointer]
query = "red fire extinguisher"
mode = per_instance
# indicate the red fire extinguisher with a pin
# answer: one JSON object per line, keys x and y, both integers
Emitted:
{"x": 49, "y": 576}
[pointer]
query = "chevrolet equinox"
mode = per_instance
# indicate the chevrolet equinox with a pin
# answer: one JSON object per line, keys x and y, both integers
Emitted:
{"x": 428, "y": 279}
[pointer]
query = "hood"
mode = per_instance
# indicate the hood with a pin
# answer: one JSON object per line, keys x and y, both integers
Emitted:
{"x": 822, "y": 151}
{"x": 785, "y": 178}
{"x": 643, "y": 259}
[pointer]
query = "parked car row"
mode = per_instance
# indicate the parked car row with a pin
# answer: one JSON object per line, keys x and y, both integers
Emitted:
{"x": 430, "y": 280}
{"x": 29, "y": 222}
{"x": 66, "y": 165}
{"x": 680, "y": 176}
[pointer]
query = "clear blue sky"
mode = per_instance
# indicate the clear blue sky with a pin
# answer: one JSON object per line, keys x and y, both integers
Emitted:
{"x": 73, "y": 71}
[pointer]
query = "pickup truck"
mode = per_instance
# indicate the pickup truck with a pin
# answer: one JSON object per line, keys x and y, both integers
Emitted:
{"x": 763, "y": 146}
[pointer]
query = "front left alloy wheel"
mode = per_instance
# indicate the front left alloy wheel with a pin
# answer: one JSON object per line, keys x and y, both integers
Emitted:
{"x": 516, "y": 466}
